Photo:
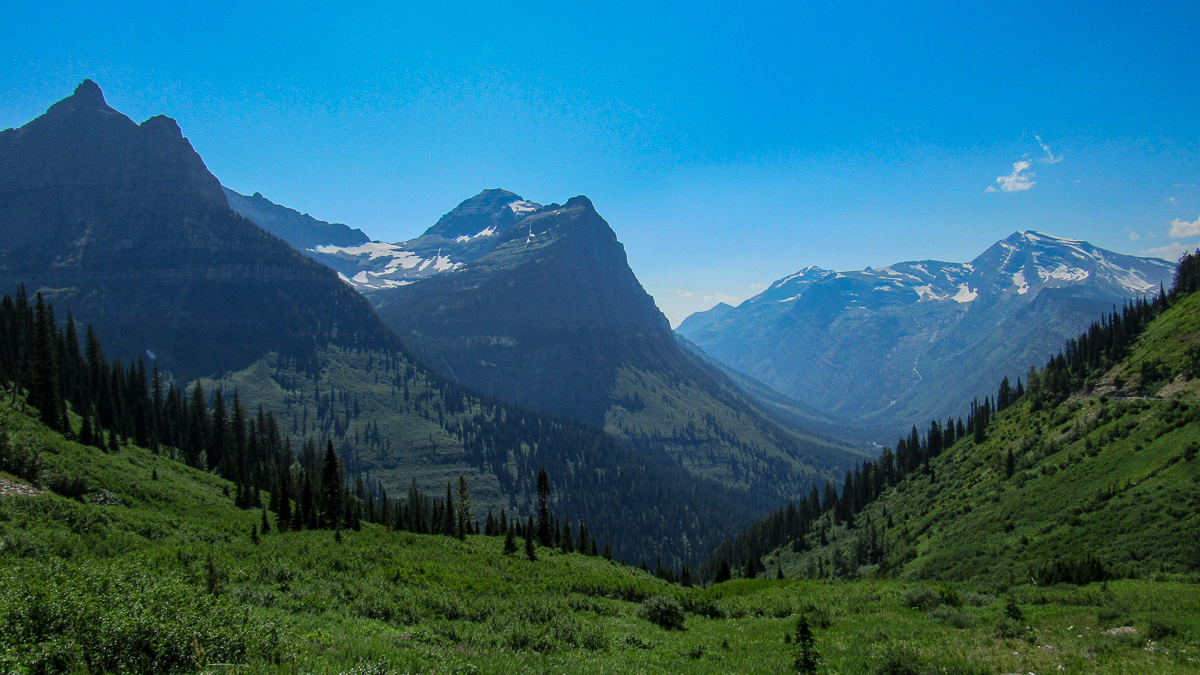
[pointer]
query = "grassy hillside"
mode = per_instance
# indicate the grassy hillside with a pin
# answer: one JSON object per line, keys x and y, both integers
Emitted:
{"x": 1113, "y": 473}
{"x": 152, "y": 569}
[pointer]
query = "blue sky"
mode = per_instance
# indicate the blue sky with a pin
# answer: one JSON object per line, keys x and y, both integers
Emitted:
{"x": 727, "y": 144}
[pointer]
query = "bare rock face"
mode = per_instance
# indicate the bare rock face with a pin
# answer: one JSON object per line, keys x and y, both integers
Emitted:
{"x": 123, "y": 225}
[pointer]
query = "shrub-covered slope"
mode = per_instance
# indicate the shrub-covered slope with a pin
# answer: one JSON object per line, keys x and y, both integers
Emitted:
{"x": 151, "y": 569}
{"x": 1103, "y": 483}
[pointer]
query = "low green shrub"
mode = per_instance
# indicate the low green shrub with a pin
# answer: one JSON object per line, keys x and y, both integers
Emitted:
{"x": 1007, "y": 627}
{"x": 952, "y": 616}
{"x": 663, "y": 611}
{"x": 922, "y": 598}
{"x": 1158, "y": 629}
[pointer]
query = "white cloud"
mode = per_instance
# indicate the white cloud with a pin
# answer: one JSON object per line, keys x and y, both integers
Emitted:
{"x": 1133, "y": 236}
{"x": 1016, "y": 181}
{"x": 1170, "y": 252}
{"x": 757, "y": 286}
{"x": 1182, "y": 228}
{"x": 1050, "y": 157}
{"x": 686, "y": 294}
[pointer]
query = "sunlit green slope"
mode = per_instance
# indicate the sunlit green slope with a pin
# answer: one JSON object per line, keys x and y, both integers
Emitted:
{"x": 151, "y": 569}
{"x": 1113, "y": 474}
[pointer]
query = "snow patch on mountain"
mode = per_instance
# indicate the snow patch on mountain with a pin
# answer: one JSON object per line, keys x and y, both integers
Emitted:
{"x": 524, "y": 206}
{"x": 1020, "y": 283}
{"x": 965, "y": 294}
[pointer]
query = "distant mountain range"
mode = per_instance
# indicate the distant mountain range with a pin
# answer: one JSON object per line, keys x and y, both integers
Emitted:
{"x": 884, "y": 348}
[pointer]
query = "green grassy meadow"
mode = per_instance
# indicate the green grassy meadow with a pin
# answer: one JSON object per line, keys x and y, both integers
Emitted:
{"x": 152, "y": 569}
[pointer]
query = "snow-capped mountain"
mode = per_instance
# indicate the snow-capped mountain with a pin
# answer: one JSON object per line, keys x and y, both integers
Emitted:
{"x": 473, "y": 229}
{"x": 888, "y": 346}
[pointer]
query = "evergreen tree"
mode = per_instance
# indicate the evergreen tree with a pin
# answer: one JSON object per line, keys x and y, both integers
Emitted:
{"x": 529, "y": 533}
{"x": 465, "y": 513}
{"x": 285, "y": 502}
{"x": 585, "y": 542}
{"x": 44, "y": 393}
{"x": 807, "y": 657}
{"x": 544, "y": 532}
{"x": 510, "y": 542}
{"x": 449, "y": 524}
{"x": 266, "y": 523}
{"x": 751, "y": 569}
{"x": 331, "y": 487}
{"x": 308, "y": 507}
{"x": 567, "y": 540}
{"x": 723, "y": 572}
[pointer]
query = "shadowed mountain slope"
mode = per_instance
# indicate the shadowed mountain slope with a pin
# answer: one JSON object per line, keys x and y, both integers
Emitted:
{"x": 123, "y": 225}
{"x": 552, "y": 316}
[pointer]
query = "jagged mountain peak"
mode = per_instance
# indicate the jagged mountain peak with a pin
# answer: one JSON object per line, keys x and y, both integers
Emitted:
{"x": 495, "y": 209}
{"x": 83, "y": 140}
{"x": 88, "y": 93}
{"x": 491, "y": 221}
{"x": 1026, "y": 262}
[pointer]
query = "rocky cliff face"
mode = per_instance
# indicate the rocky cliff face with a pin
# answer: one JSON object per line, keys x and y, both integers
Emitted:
{"x": 123, "y": 225}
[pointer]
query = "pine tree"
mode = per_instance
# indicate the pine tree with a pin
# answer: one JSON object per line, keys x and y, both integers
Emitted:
{"x": 308, "y": 507}
{"x": 807, "y": 657}
{"x": 331, "y": 487}
{"x": 510, "y": 542}
{"x": 44, "y": 391}
{"x": 585, "y": 543}
{"x": 465, "y": 513}
{"x": 448, "y": 524}
{"x": 266, "y": 523}
{"x": 567, "y": 540}
{"x": 544, "y": 533}
{"x": 285, "y": 502}
{"x": 529, "y": 533}
{"x": 751, "y": 569}
{"x": 723, "y": 572}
